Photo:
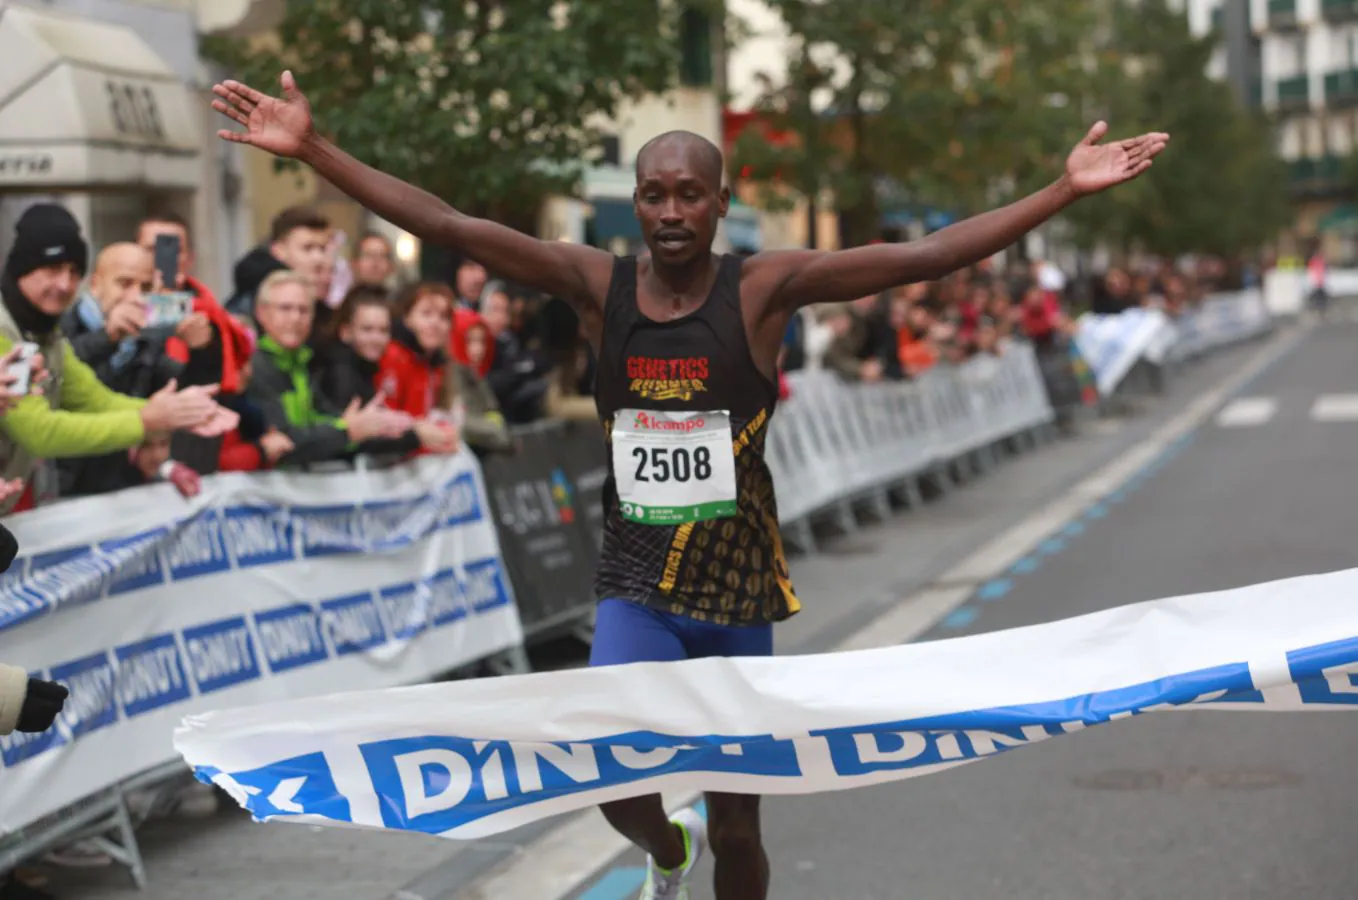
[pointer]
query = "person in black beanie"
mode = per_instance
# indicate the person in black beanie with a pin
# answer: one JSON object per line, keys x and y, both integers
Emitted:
{"x": 38, "y": 284}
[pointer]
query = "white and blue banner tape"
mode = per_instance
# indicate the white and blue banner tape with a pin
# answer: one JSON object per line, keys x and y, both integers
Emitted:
{"x": 269, "y": 587}
{"x": 474, "y": 758}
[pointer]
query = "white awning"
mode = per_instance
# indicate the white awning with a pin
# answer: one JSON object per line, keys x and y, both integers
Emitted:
{"x": 89, "y": 104}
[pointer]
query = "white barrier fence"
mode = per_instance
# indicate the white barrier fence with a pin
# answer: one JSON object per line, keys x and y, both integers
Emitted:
{"x": 833, "y": 441}
{"x": 268, "y": 587}
{"x": 1222, "y": 319}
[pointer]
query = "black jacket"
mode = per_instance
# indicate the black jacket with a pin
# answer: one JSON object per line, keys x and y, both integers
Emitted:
{"x": 148, "y": 369}
{"x": 339, "y": 376}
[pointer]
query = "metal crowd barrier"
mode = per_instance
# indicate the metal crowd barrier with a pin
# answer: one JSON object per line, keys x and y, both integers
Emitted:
{"x": 1221, "y": 320}
{"x": 834, "y": 444}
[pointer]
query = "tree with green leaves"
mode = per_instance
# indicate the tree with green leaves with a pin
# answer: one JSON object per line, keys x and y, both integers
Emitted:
{"x": 957, "y": 102}
{"x": 491, "y": 105}
{"x": 1221, "y": 189}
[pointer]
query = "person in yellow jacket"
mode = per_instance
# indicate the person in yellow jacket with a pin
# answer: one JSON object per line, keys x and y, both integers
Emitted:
{"x": 69, "y": 412}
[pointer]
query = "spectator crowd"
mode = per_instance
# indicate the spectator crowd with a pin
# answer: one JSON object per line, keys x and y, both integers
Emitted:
{"x": 319, "y": 355}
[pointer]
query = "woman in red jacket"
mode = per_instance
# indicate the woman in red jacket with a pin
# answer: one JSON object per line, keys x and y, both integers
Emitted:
{"x": 415, "y": 363}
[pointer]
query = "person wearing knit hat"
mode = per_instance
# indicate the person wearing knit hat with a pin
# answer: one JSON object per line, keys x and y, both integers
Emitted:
{"x": 38, "y": 284}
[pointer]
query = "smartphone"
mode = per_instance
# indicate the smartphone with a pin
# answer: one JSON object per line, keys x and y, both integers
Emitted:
{"x": 168, "y": 308}
{"x": 22, "y": 369}
{"x": 167, "y": 260}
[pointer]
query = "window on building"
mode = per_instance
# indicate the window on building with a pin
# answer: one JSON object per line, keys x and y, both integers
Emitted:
{"x": 612, "y": 150}
{"x": 695, "y": 45}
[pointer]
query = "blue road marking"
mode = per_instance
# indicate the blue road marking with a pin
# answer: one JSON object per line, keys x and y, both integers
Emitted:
{"x": 1025, "y": 566}
{"x": 1097, "y": 511}
{"x": 1051, "y": 546}
{"x": 1074, "y": 529}
{"x": 994, "y": 589}
{"x": 960, "y": 617}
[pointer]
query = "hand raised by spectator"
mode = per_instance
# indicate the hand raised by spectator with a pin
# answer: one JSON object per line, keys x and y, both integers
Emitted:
{"x": 188, "y": 482}
{"x": 437, "y": 437}
{"x": 195, "y": 330}
{"x": 37, "y": 373}
{"x": 275, "y": 445}
{"x": 125, "y": 320}
{"x": 170, "y": 409}
{"x": 871, "y": 370}
{"x": 219, "y": 423}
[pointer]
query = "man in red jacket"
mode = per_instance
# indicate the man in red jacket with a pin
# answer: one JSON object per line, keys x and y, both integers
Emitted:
{"x": 207, "y": 342}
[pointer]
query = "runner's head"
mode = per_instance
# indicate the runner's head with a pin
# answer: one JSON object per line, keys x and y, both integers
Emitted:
{"x": 679, "y": 195}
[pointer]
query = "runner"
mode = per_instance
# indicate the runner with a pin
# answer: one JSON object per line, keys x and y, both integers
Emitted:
{"x": 687, "y": 343}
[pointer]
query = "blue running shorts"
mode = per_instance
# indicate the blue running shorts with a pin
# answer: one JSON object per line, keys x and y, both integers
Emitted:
{"x": 627, "y": 632}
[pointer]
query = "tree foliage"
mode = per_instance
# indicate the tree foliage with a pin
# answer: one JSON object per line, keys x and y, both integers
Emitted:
{"x": 492, "y": 105}
{"x": 967, "y": 104}
{"x": 956, "y": 102}
{"x": 1220, "y": 188}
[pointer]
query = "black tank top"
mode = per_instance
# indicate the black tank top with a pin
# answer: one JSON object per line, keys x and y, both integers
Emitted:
{"x": 729, "y": 570}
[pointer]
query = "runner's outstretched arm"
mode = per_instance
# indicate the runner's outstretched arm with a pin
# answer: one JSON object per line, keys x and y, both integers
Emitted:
{"x": 801, "y": 277}
{"x": 284, "y": 127}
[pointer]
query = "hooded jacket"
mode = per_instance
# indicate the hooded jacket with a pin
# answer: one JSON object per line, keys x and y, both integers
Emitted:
{"x": 411, "y": 379}
{"x": 280, "y": 386}
{"x": 74, "y": 416}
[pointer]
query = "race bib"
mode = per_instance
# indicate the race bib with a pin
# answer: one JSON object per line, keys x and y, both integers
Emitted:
{"x": 674, "y": 467}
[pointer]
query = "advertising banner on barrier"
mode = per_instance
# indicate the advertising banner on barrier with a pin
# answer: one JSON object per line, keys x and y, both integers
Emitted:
{"x": 1112, "y": 345}
{"x": 547, "y": 501}
{"x": 268, "y": 587}
{"x": 475, "y": 758}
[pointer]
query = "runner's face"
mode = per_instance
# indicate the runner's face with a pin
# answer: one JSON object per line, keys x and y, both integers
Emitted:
{"x": 677, "y": 205}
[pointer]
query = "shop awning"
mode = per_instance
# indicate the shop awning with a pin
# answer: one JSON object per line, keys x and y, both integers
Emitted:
{"x": 90, "y": 104}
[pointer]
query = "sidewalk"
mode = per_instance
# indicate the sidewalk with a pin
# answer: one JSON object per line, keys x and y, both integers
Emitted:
{"x": 230, "y": 858}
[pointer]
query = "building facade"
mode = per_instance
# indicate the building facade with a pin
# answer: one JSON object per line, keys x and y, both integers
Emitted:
{"x": 1310, "y": 84}
{"x": 104, "y": 106}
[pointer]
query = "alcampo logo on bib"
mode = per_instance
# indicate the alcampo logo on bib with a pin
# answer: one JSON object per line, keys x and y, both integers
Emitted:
{"x": 651, "y": 423}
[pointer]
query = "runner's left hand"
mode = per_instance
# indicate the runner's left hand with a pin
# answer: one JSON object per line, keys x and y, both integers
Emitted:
{"x": 1093, "y": 167}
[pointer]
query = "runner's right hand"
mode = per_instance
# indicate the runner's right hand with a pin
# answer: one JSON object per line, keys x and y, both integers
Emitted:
{"x": 281, "y": 127}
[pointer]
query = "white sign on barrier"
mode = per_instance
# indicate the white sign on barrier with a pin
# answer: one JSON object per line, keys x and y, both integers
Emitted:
{"x": 269, "y": 587}
{"x": 1112, "y": 345}
{"x": 474, "y": 758}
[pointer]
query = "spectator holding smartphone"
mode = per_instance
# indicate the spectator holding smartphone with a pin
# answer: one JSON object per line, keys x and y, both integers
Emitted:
{"x": 207, "y": 341}
{"x": 75, "y": 415}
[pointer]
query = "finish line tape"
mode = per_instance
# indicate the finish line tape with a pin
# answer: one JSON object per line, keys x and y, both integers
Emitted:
{"x": 478, "y": 757}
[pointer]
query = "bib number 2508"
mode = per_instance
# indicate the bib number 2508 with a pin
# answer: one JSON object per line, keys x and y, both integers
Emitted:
{"x": 661, "y": 464}
{"x": 674, "y": 467}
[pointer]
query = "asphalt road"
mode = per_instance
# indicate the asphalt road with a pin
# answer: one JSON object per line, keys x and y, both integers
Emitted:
{"x": 1202, "y": 804}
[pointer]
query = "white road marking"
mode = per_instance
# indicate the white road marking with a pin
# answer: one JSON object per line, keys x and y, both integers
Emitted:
{"x": 563, "y": 860}
{"x": 1335, "y": 408}
{"x": 1247, "y": 412}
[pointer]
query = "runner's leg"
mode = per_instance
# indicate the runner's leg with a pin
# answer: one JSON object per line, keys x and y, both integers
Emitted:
{"x": 737, "y": 844}
{"x": 733, "y": 826}
{"x": 626, "y": 632}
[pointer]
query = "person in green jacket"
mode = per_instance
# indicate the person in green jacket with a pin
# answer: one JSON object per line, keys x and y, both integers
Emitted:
{"x": 280, "y": 383}
{"x": 67, "y": 412}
